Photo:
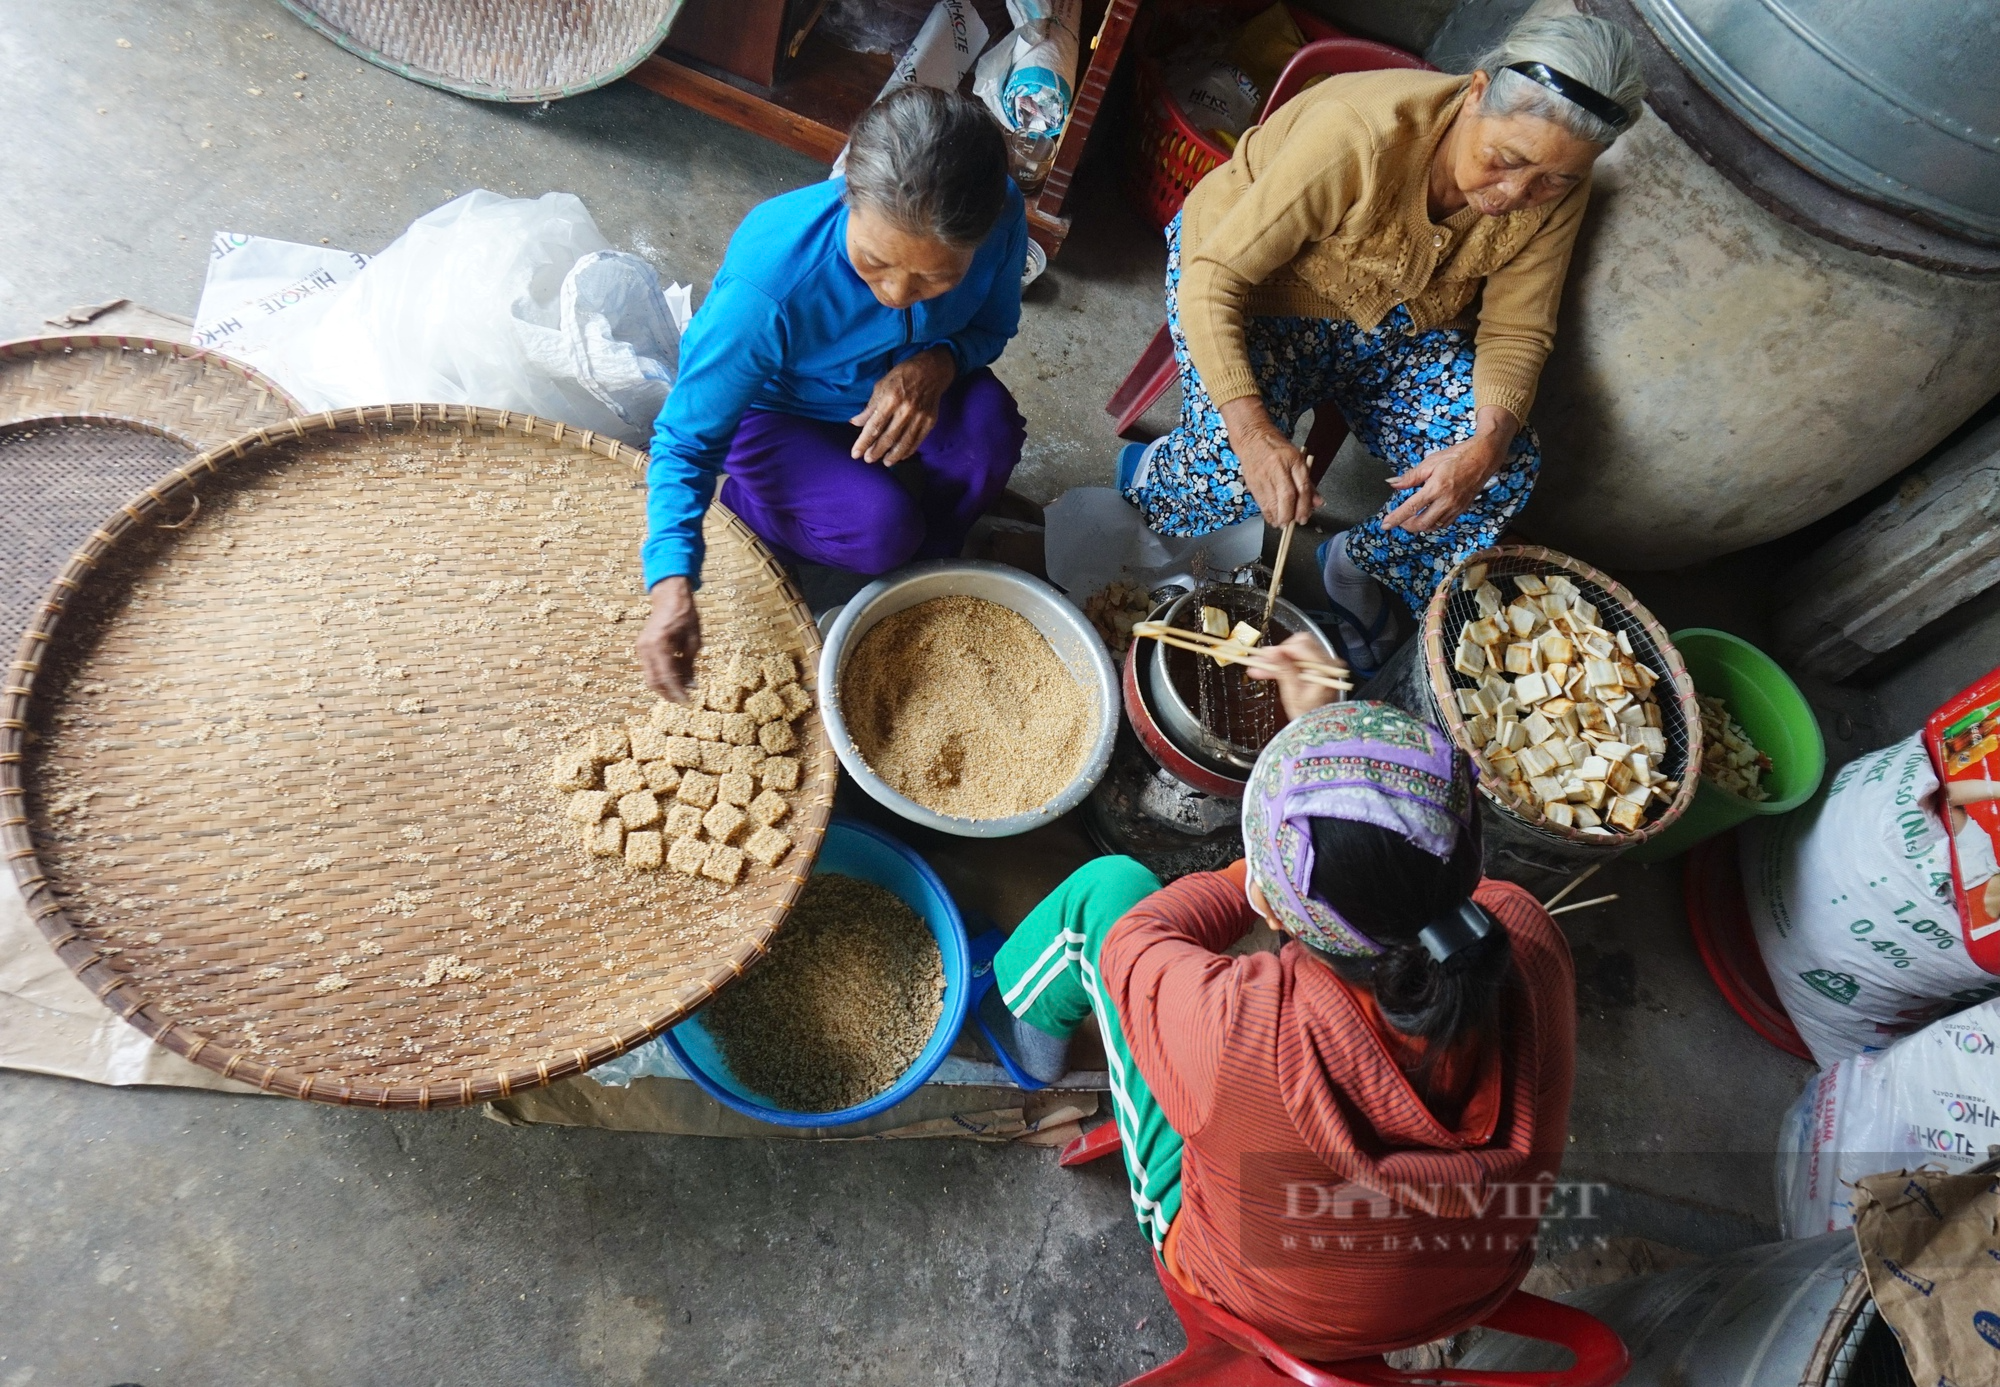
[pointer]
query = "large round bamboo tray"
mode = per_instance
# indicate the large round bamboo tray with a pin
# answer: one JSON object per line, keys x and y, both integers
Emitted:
{"x": 496, "y": 50}
{"x": 274, "y": 782}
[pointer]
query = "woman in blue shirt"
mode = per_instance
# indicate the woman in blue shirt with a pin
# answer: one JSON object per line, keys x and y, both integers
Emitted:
{"x": 849, "y": 329}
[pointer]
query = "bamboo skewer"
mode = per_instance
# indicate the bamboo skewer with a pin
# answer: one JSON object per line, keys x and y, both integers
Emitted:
{"x": 1580, "y": 905}
{"x": 1228, "y": 651}
{"x": 1579, "y": 880}
{"x": 1277, "y": 575}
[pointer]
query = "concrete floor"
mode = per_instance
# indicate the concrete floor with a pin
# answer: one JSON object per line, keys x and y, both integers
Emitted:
{"x": 168, "y": 1237}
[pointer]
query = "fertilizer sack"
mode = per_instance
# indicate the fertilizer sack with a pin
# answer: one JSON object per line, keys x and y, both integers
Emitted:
{"x": 1853, "y": 903}
{"x": 1932, "y": 1099}
{"x": 1026, "y": 78}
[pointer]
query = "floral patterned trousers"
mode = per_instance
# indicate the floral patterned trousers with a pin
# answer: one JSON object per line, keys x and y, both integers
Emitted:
{"x": 1405, "y": 394}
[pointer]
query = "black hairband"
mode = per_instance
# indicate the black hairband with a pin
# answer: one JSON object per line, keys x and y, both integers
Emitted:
{"x": 1456, "y": 929}
{"x": 1589, "y": 98}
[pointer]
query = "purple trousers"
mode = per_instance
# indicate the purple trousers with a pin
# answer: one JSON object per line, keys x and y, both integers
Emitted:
{"x": 792, "y": 481}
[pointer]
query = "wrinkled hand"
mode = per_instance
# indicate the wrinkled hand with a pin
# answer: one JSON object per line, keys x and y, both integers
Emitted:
{"x": 670, "y": 640}
{"x": 1280, "y": 664}
{"x": 904, "y": 407}
{"x": 1449, "y": 480}
{"x": 1274, "y": 470}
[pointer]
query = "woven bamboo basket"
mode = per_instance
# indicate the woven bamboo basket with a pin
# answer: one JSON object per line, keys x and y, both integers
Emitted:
{"x": 273, "y": 759}
{"x": 496, "y": 50}
{"x": 86, "y": 421}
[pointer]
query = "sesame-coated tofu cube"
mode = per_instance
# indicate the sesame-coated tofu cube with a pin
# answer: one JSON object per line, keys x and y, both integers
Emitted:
{"x": 687, "y": 855}
{"x": 587, "y": 806}
{"x": 724, "y": 822}
{"x": 744, "y": 672}
{"x": 779, "y": 773}
{"x": 765, "y": 706}
{"x": 769, "y": 808}
{"x": 606, "y": 839}
{"x": 767, "y": 847}
{"x": 740, "y": 729}
{"x": 662, "y": 777}
{"x": 684, "y": 752}
{"x": 639, "y": 809}
{"x": 609, "y": 744}
{"x": 644, "y": 852}
{"x": 573, "y": 770}
{"x": 733, "y": 787}
{"x": 682, "y": 819}
{"x": 623, "y": 777}
{"x": 670, "y": 717}
{"x": 797, "y": 701}
{"x": 696, "y": 788}
{"x": 715, "y": 757}
{"x": 723, "y": 695}
{"x": 747, "y": 760}
{"x": 776, "y": 737}
{"x": 706, "y": 724}
{"x": 724, "y": 864}
{"x": 648, "y": 743}
{"x": 778, "y": 669}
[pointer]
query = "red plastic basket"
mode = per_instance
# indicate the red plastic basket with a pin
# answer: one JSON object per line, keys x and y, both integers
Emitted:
{"x": 1168, "y": 154}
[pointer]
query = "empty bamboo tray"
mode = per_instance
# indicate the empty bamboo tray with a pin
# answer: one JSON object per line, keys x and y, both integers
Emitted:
{"x": 273, "y": 759}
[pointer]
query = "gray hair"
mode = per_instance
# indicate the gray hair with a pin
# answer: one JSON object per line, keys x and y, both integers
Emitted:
{"x": 1595, "y": 52}
{"x": 931, "y": 162}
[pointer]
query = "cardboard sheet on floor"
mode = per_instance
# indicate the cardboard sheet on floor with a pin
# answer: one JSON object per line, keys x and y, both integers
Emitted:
{"x": 1046, "y": 1118}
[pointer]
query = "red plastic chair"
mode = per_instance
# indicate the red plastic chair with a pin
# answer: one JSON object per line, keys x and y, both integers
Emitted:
{"x": 1155, "y": 371}
{"x": 1222, "y": 1349}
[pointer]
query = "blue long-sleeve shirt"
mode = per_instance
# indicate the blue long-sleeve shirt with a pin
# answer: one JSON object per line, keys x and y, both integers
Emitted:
{"x": 789, "y": 326}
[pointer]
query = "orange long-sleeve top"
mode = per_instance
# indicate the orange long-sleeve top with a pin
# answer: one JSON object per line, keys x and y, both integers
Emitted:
{"x": 1324, "y": 1198}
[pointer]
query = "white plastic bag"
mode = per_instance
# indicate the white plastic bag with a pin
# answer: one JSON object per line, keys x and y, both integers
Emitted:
{"x": 259, "y": 290}
{"x": 1027, "y": 79}
{"x": 511, "y": 303}
{"x": 1095, "y": 536}
{"x": 1932, "y": 1098}
{"x": 1851, "y": 897}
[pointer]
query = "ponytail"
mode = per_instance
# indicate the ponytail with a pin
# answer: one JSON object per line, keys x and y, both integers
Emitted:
{"x": 1392, "y": 891}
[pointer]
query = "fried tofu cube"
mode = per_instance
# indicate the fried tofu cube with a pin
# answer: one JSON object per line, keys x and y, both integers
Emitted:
{"x": 1535, "y": 761}
{"x": 767, "y": 847}
{"x": 1594, "y": 768}
{"x": 745, "y": 760}
{"x": 573, "y": 770}
{"x": 1615, "y": 751}
{"x": 733, "y": 787}
{"x": 1601, "y": 674}
{"x": 648, "y": 743}
{"x": 609, "y": 744}
{"x": 1556, "y": 649}
{"x": 1530, "y": 584}
{"x": 1586, "y": 817}
{"x": 1547, "y": 788}
{"x": 1473, "y": 577}
{"x": 740, "y": 729}
{"x": 723, "y": 695}
{"x": 1559, "y": 752}
{"x": 724, "y": 864}
{"x": 1531, "y": 689}
{"x": 606, "y": 839}
{"x": 682, "y": 819}
{"x": 1480, "y": 730}
{"x": 779, "y": 773}
{"x": 587, "y": 806}
{"x": 687, "y": 855}
{"x": 684, "y": 752}
{"x": 1506, "y": 765}
{"x": 1489, "y": 600}
{"x": 705, "y": 724}
{"x": 1522, "y": 619}
{"x": 1520, "y": 658}
{"x": 1469, "y": 705}
{"x": 765, "y": 706}
{"x": 778, "y": 669}
{"x": 769, "y": 808}
{"x": 1650, "y": 740}
{"x": 1560, "y": 582}
{"x": 1214, "y": 622}
{"x": 662, "y": 777}
{"x": 670, "y": 717}
{"x": 797, "y": 701}
{"x": 1624, "y": 640}
{"x": 639, "y": 809}
{"x": 1626, "y": 815}
{"x": 644, "y": 852}
{"x": 724, "y": 821}
{"x": 715, "y": 757}
{"x": 1469, "y": 660}
{"x": 623, "y": 777}
{"x": 696, "y": 788}
{"x": 1485, "y": 631}
{"x": 1560, "y": 814}
{"x": 776, "y": 737}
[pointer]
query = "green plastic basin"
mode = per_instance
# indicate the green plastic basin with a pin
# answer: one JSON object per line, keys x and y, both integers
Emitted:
{"x": 1768, "y": 706}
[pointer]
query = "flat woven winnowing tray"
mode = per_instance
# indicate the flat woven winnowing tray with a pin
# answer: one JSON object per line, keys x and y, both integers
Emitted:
{"x": 273, "y": 759}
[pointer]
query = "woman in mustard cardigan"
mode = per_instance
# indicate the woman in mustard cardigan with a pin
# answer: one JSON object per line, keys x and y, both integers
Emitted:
{"x": 1394, "y": 242}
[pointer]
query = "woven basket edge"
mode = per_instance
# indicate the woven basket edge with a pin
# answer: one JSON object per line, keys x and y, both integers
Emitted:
{"x": 21, "y": 348}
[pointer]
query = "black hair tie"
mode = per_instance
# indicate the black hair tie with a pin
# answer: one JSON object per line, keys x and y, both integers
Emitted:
{"x": 1589, "y": 98}
{"x": 1463, "y": 927}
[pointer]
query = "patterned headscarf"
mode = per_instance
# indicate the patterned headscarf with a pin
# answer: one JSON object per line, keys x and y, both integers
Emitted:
{"x": 1363, "y": 762}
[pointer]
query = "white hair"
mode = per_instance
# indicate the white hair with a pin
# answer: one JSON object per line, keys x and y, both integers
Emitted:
{"x": 1595, "y": 52}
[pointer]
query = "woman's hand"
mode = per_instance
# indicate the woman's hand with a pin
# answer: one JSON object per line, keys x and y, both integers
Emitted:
{"x": 1449, "y": 480}
{"x": 670, "y": 640}
{"x": 904, "y": 407}
{"x": 1280, "y": 664}
{"x": 1273, "y": 469}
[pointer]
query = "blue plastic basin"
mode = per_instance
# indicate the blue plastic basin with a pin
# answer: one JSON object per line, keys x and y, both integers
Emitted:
{"x": 856, "y": 850}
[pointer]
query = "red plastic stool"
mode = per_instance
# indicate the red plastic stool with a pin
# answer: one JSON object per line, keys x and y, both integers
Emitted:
{"x": 1154, "y": 371}
{"x": 1221, "y": 1349}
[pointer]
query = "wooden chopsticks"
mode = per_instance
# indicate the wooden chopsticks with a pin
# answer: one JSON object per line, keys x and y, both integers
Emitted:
{"x": 1227, "y": 650}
